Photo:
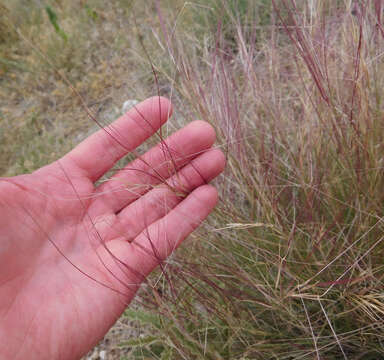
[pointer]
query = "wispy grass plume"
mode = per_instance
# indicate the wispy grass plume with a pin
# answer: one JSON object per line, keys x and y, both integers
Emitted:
{"x": 290, "y": 262}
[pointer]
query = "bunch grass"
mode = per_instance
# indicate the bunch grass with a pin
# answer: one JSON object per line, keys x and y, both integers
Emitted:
{"x": 291, "y": 263}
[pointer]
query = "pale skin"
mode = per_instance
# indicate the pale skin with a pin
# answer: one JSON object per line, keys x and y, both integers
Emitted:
{"x": 56, "y": 225}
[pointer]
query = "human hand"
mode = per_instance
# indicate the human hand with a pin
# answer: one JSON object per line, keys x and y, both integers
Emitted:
{"x": 73, "y": 254}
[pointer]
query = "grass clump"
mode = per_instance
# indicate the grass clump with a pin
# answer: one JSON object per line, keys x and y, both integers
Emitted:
{"x": 291, "y": 265}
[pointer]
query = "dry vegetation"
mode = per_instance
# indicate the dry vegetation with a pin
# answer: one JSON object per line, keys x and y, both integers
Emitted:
{"x": 41, "y": 118}
{"x": 290, "y": 265}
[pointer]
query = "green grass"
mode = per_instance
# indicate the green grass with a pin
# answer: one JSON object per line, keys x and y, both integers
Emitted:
{"x": 290, "y": 264}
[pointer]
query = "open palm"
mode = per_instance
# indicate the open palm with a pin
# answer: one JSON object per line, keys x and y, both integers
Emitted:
{"x": 73, "y": 254}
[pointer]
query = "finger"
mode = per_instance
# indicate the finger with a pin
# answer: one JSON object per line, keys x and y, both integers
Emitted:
{"x": 99, "y": 152}
{"x": 162, "y": 237}
{"x": 155, "y": 204}
{"x": 153, "y": 167}
{"x": 157, "y": 242}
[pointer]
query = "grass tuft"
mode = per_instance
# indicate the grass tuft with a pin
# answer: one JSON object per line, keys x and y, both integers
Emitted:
{"x": 291, "y": 263}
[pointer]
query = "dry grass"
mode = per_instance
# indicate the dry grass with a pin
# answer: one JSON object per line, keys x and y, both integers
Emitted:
{"x": 290, "y": 265}
{"x": 40, "y": 116}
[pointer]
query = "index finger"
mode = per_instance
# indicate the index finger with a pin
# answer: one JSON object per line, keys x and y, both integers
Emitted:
{"x": 99, "y": 152}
